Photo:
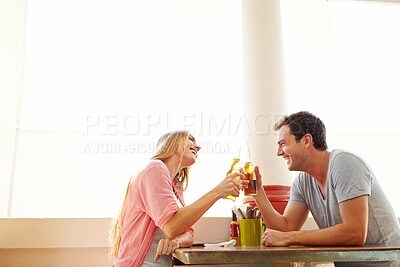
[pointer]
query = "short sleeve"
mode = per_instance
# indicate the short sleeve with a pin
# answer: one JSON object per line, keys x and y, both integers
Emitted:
{"x": 157, "y": 193}
{"x": 191, "y": 231}
{"x": 350, "y": 177}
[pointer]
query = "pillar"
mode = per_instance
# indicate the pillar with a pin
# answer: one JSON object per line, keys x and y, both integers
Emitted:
{"x": 264, "y": 86}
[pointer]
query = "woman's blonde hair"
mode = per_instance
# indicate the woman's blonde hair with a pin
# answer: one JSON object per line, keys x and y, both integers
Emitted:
{"x": 167, "y": 145}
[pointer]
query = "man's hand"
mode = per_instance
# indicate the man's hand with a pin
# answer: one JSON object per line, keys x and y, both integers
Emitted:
{"x": 274, "y": 238}
{"x": 258, "y": 177}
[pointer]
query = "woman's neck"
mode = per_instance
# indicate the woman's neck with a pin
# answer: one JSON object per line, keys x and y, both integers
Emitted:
{"x": 173, "y": 165}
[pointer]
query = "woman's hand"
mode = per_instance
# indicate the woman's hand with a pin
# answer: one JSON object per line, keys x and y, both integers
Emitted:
{"x": 231, "y": 184}
{"x": 166, "y": 247}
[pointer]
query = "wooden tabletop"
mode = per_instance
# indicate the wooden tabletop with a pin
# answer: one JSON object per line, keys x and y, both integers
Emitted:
{"x": 260, "y": 254}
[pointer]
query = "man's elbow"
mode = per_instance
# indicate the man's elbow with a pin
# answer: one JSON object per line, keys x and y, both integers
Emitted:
{"x": 358, "y": 238}
{"x": 360, "y": 241}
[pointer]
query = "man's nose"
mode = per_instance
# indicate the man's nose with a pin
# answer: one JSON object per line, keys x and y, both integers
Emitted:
{"x": 279, "y": 152}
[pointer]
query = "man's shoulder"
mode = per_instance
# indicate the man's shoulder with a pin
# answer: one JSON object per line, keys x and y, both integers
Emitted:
{"x": 340, "y": 153}
{"x": 343, "y": 155}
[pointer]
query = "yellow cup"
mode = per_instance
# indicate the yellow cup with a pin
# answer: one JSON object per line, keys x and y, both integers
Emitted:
{"x": 250, "y": 232}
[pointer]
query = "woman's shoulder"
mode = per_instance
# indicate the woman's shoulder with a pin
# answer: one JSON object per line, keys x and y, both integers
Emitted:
{"x": 154, "y": 168}
{"x": 156, "y": 163}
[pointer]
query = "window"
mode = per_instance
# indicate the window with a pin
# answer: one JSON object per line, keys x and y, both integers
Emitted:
{"x": 366, "y": 59}
{"x": 103, "y": 80}
{"x": 346, "y": 71}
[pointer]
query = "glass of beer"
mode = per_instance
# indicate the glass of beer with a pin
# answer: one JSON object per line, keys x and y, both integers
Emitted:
{"x": 234, "y": 168}
{"x": 248, "y": 170}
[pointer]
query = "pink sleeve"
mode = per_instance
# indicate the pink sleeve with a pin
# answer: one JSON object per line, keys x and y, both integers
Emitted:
{"x": 191, "y": 231}
{"x": 157, "y": 193}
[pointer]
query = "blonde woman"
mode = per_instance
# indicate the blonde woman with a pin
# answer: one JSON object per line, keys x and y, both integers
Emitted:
{"x": 154, "y": 220}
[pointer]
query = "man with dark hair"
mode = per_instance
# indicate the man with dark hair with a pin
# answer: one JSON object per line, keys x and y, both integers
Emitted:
{"x": 338, "y": 187}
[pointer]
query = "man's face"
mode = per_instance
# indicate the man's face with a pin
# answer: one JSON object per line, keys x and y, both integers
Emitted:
{"x": 291, "y": 150}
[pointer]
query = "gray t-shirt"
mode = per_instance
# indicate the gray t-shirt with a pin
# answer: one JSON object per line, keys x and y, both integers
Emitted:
{"x": 349, "y": 176}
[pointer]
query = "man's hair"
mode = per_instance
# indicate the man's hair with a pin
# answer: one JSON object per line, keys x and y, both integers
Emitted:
{"x": 302, "y": 123}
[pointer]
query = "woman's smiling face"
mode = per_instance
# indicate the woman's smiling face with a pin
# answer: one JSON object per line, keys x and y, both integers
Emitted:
{"x": 191, "y": 151}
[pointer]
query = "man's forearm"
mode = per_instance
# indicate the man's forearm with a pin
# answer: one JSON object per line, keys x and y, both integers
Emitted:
{"x": 339, "y": 234}
{"x": 272, "y": 218}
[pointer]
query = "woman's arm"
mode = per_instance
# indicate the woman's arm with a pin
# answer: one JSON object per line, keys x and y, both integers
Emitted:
{"x": 185, "y": 217}
{"x": 168, "y": 246}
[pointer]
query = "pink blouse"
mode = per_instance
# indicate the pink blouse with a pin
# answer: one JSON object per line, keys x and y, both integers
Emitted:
{"x": 151, "y": 203}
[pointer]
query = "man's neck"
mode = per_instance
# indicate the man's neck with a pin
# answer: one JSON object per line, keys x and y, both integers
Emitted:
{"x": 319, "y": 166}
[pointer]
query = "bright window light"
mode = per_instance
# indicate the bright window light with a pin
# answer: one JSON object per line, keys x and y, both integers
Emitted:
{"x": 342, "y": 61}
{"x": 103, "y": 80}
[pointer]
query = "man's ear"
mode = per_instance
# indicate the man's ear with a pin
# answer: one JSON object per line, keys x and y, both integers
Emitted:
{"x": 308, "y": 140}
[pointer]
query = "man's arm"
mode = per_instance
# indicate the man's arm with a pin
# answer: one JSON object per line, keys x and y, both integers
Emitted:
{"x": 352, "y": 230}
{"x": 292, "y": 219}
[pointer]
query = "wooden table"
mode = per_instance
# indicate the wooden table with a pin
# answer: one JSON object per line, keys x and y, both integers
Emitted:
{"x": 296, "y": 255}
